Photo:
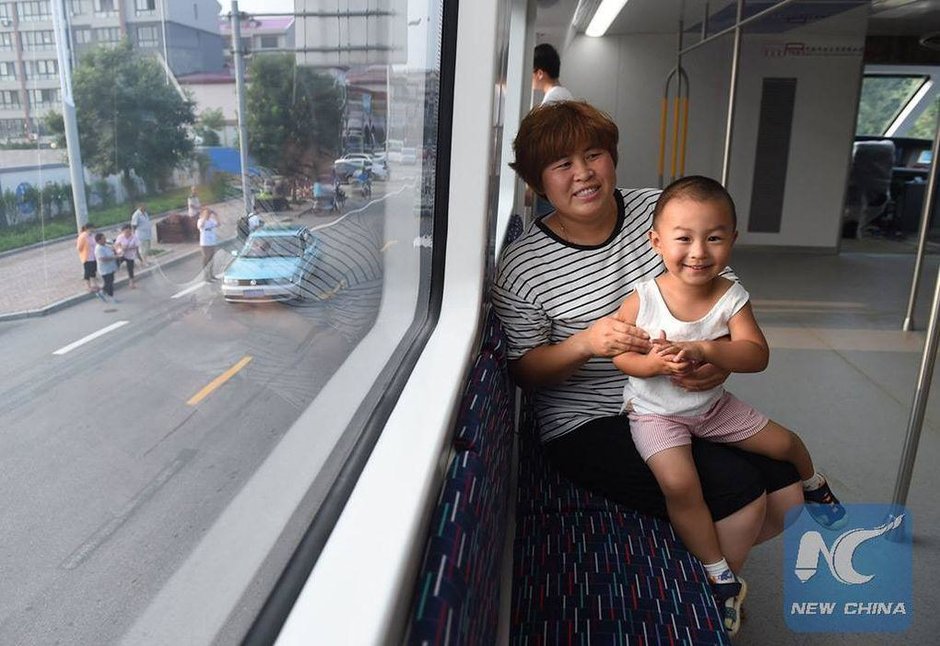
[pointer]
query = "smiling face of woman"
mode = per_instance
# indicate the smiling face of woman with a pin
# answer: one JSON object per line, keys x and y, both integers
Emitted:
{"x": 581, "y": 185}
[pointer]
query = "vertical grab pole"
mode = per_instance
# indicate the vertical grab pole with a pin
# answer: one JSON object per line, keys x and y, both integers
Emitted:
{"x": 929, "y": 198}
{"x": 663, "y": 120}
{"x": 685, "y": 125}
{"x": 732, "y": 95}
{"x": 921, "y": 393}
{"x": 678, "y": 107}
{"x": 675, "y": 129}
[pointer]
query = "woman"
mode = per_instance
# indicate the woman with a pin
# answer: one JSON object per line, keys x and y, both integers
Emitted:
{"x": 207, "y": 225}
{"x": 192, "y": 203}
{"x": 557, "y": 290}
{"x": 127, "y": 246}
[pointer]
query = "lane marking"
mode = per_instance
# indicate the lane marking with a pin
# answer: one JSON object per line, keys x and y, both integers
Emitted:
{"x": 189, "y": 289}
{"x": 218, "y": 381}
{"x": 90, "y": 337}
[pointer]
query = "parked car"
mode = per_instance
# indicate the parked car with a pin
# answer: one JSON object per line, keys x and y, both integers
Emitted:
{"x": 346, "y": 165}
{"x": 379, "y": 167}
{"x": 274, "y": 265}
{"x": 409, "y": 156}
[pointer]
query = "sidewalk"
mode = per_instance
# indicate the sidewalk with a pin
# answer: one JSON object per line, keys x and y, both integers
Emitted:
{"x": 38, "y": 281}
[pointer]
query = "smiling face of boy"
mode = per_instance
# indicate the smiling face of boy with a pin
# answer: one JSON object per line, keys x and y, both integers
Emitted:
{"x": 694, "y": 238}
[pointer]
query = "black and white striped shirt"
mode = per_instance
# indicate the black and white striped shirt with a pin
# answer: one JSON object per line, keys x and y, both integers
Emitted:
{"x": 547, "y": 289}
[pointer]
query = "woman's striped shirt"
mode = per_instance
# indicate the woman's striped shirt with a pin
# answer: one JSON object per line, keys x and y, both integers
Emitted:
{"x": 546, "y": 289}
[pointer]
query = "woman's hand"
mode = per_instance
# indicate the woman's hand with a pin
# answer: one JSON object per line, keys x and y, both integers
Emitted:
{"x": 609, "y": 336}
{"x": 704, "y": 377}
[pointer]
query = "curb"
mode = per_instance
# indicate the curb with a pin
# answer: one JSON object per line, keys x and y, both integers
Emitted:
{"x": 78, "y": 298}
{"x": 71, "y": 236}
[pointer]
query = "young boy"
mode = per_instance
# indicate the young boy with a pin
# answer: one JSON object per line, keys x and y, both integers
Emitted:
{"x": 691, "y": 311}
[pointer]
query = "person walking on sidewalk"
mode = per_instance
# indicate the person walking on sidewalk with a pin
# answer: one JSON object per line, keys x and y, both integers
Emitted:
{"x": 85, "y": 245}
{"x": 127, "y": 246}
{"x": 192, "y": 203}
{"x": 207, "y": 224}
{"x": 107, "y": 263}
{"x": 140, "y": 222}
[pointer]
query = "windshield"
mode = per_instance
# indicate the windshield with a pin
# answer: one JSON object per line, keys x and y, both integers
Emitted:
{"x": 273, "y": 247}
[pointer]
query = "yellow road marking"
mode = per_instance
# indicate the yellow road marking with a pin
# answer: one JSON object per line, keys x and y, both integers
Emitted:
{"x": 218, "y": 381}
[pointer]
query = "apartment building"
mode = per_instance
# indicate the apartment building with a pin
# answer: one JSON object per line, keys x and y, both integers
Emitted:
{"x": 184, "y": 33}
{"x": 259, "y": 33}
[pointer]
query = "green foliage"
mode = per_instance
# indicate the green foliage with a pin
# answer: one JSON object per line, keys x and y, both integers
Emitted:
{"x": 926, "y": 125}
{"x": 881, "y": 100}
{"x": 294, "y": 114}
{"x": 129, "y": 118}
{"x": 210, "y": 122}
{"x": 49, "y": 228}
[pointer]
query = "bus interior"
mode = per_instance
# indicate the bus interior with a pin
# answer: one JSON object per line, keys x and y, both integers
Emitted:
{"x": 183, "y": 470}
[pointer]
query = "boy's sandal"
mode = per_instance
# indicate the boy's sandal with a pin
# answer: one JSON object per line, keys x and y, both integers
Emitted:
{"x": 731, "y": 610}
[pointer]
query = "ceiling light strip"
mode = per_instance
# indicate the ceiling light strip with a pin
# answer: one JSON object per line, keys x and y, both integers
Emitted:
{"x": 604, "y": 16}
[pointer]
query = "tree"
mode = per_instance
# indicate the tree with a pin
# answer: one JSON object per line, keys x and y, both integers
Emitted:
{"x": 294, "y": 114}
{"x": 129, "y": 118}
{"x": 210, "y": 122}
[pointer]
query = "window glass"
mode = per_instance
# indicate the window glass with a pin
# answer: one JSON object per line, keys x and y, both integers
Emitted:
{"x": 152, "y": 378}
{"x": 925, "y": 127}
{"x": 882, "y": 99}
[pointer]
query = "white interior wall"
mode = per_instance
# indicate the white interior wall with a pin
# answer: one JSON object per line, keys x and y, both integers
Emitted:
{"x": 625, "y": 76}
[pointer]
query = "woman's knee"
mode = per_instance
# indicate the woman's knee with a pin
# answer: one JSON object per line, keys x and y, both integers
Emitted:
{"x": 779, "y": 502}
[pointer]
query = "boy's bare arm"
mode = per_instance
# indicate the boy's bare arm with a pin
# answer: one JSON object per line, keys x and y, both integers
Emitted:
{"x": 647, "y": 364}
{"x": 747, "y": 350}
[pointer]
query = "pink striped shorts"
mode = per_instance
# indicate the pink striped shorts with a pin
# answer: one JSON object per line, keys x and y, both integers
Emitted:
{"x": 728, "y": 420}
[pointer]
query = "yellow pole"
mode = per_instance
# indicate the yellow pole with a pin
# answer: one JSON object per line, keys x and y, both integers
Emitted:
{"x": 675, "y": 136}
{"x": 685, "y": 134}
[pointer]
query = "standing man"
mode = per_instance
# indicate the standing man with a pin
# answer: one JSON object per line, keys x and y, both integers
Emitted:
{"x": 140, "y": 222}
{"x": 85, "y": 245}
{"x": 207, "y": 225}
{"x": 546, "y": 68}
{"x": 192, "y": 203}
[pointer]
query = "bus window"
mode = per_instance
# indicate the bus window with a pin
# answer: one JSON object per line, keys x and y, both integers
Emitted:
{"x": 926, "y": 125}
{"x": 882, "y": 99}
{"x": 164, "y": 436}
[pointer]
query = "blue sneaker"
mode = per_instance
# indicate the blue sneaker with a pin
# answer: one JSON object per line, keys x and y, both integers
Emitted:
{"x": 824, "y": 507}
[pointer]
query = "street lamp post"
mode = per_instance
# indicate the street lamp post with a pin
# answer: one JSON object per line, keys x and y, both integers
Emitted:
{"x": 63, "y": 52}
{"x": 240, "y": 90}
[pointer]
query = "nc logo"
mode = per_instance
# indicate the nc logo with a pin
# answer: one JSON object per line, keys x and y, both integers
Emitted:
{"x": 839, "y": 558}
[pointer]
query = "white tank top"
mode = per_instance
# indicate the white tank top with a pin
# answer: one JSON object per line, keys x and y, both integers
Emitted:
{"x": 658, "y": 395}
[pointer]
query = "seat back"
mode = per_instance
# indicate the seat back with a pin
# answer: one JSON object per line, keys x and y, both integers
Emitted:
{"x": 872, "y": 162}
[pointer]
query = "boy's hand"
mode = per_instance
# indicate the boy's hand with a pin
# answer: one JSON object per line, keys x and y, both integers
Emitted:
{"x": 702, "y": 377}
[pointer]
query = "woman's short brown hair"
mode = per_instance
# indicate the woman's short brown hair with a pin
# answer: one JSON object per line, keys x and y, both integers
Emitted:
{"x": 555, "y": 130}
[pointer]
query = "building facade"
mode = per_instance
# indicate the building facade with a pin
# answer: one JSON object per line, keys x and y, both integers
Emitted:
{"x": 183, "y": 33}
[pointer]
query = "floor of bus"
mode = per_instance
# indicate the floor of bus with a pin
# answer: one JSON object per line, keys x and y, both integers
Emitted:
{"x": 842, "y": 374}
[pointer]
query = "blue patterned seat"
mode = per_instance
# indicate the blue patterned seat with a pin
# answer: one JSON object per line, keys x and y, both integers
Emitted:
{"x": 585, "y": 570}
{"x": 583, "y": 565}
{"x": 457, "y": 596}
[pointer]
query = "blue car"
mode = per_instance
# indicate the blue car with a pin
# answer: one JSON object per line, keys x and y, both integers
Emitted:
{"x": 274, "y": 265}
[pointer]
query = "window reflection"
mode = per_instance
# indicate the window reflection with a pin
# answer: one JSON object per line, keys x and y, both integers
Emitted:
{"x": 177, "y": 387}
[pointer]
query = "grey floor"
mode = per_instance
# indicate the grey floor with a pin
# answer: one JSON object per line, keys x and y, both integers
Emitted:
{"x": 842, "y": 375}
